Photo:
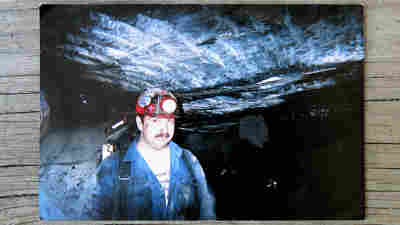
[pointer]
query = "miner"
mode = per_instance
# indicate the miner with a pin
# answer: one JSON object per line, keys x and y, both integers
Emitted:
{"x": 156, "y": 179}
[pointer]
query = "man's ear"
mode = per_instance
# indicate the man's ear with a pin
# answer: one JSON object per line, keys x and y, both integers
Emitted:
{"x": 139, "y": 123}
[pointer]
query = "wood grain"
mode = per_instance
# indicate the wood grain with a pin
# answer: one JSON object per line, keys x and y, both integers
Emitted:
{"x": 380, "y": 156}
{"x": 19, "y": 140}
{"x": 19, "y": 103}
{"x": 20, "y": 84}
{"x": 21, "y": 42}
{"x": 381, "y": 83}
{"x": 12, "y": 64}
{"x": 19, "y": 181}
{"x": 19, "y": 111}
{"x": 18, "y": 21}
{"x": 382, "y": 124}
{"x": 382, "y": 40}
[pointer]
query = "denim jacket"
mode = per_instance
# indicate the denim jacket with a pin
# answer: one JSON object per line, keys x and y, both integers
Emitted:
{"x": 189, "y": 197}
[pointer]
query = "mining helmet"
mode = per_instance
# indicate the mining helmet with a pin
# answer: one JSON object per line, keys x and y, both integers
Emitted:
{"x": 156, "y": 102}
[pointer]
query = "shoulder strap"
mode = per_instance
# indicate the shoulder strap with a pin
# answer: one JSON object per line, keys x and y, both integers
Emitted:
{"x": 120, "y": 196}
{"x": 124, "y": 176}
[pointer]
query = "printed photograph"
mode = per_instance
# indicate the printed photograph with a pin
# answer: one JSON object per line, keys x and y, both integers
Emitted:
{"x": 201, "y": 112}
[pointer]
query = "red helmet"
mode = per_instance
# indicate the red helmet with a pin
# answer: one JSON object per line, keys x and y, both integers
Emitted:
{"x": 156, "y": 102}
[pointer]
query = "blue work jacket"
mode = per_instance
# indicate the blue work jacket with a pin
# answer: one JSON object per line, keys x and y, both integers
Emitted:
{"x": 189, "y": 196}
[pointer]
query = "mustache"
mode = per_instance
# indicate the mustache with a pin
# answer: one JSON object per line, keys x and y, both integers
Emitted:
{"x": 164, "y": 135}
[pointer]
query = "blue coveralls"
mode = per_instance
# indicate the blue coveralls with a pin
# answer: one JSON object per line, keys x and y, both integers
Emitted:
{"x": 189, "y": 196}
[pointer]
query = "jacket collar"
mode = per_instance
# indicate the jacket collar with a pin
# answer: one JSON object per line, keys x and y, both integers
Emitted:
{"x": 132, "y": 153}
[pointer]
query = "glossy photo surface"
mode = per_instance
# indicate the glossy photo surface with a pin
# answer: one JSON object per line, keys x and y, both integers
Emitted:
{"x": 269, "y": 100}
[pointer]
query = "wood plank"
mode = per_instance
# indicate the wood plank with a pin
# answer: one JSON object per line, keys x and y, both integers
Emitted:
{"x": 382, "y": 81}
{"x": 382, "y": 40}
{"x": 19, "y": 31}
{"x": 21, "y": 220}
{"x": 20, "y": 117}
{"x": 382, "y": 156}
{"x": 20, "y": 84}
{"x": 382, "y": 69}
{"x": 381, "y": 204}
{"x": 382, "y": 122}
{"x": 19, "y": 103}
{"x": 19, "y": 143}
{"x": 22, "y": 43}
{"x": 19, "y": 139}
{"x": 383, "y": 219}
{"x": 19, "y": 21}
{"x": 387, "y": 180}
{"x": 379, "y": 212}
{"x": 19, "y": 64}
{"x": 13, "y": 205}
{"x": 19, "y": 181}
{"x": 383, "y": 200}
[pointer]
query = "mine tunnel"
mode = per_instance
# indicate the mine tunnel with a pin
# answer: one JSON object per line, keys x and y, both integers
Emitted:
{"x": 270, "y": 102}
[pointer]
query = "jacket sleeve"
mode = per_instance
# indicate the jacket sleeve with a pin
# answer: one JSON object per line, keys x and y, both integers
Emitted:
{"x": 206, "y": 197}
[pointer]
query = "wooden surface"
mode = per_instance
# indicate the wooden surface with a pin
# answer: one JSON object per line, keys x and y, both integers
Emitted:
{"x": 19, "y": 111}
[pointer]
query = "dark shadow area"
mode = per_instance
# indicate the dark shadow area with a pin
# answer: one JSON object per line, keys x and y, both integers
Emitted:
{"x": 310, "y": 168}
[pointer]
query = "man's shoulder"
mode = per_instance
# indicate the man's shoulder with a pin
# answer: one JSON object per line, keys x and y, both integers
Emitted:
{"x": 107, "y": 166}
{"x": 110, "y": 160}
{"x": 190, "y": 156}
{"x": 185, "y": 153}
{"x": 193, "y": 161}
{"x": 194, "y": 165}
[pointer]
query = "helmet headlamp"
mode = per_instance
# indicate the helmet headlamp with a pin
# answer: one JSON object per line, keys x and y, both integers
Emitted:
{"x": 157, "y": 103}
{"x": 168, "y": 105}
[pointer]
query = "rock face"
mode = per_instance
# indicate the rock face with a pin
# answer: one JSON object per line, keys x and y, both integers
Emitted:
{"x": 67, "y": 189}
{"x": 220, "y": 60}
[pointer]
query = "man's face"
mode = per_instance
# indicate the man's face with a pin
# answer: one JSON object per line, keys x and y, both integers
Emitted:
{"x": 157, "y": 132}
